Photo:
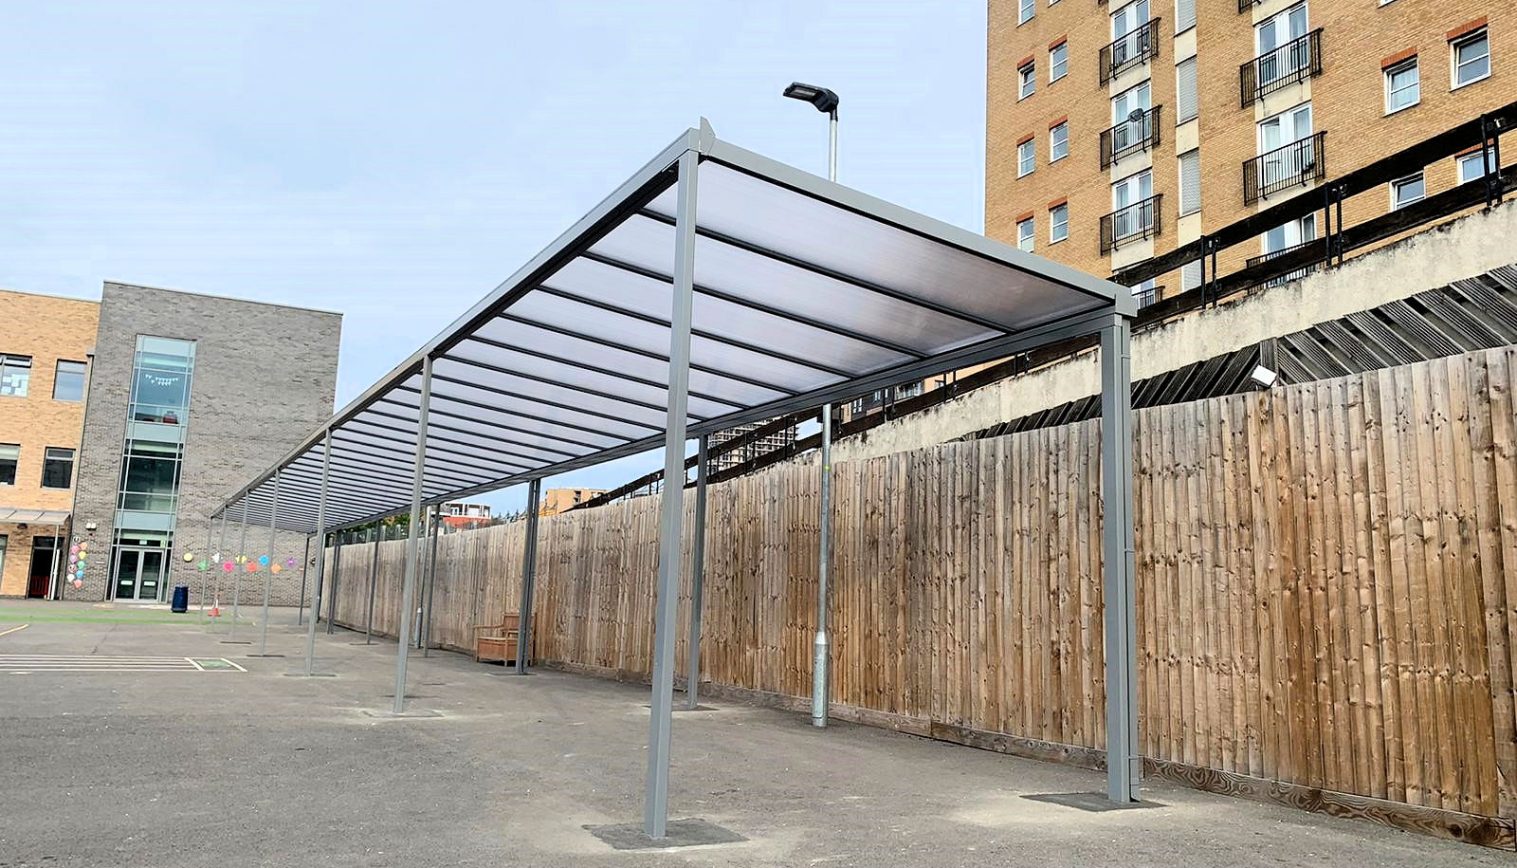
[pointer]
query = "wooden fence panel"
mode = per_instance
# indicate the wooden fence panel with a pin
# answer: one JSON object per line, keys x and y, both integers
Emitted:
{"x": 1327, "y": 585}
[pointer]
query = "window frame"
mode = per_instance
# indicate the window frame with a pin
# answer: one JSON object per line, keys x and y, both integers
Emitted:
{"x": 1388, "y": 75}
{"x": 1053, "y": 155}
{"x": 1396, "y": 184}
{"x": 83, "y": 373}
{"x": 17, "y": 362}
{"x": 1054, "y": 63}
{"x": 1480, "y": 34}
{"x": 1031, "y": 237}
{"x": 1479, "y": 155}
{"x": 14, "y": 461}
{"x": 1027, "y": 80}
{"x": 1054, "y": 223}
{"x": 1026, "y": 11}
{"x": 49, "y": 459}
{"x": 1181, "y": 185}
{"x": 1031, "y": 157}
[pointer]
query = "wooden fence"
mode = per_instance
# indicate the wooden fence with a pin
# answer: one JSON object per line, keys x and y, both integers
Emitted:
{"x": 1327, "y": 592}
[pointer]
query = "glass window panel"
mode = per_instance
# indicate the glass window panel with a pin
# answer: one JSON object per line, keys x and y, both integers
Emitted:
{"x": 1058, "y": 142}
{"x": 15, "y": 375}
{"x": 10, "y": 456}
{"x": 1472, "y": 166}
{"x": 1025, "y": 232}
{"x": 1403, "y": 86}
{"x": 1026, "y": 158}
{"x": 68, "y": 381}
{"x": 57, "y": 467}
{"x": 1058, "y": 62}
{"x": 1058, "y": 217}
{"x": 1407, "y": 190}
{"x": 1472, "y": 59}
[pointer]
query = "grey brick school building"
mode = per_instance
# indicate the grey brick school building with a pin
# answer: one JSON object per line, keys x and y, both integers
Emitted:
{"x": 188, "y": 396}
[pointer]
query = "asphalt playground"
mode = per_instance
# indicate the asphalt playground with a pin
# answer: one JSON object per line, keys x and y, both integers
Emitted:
{"x": 133, "y": 736}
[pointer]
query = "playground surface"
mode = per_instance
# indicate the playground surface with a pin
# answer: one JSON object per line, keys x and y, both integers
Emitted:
{"x": 110, "y": 761}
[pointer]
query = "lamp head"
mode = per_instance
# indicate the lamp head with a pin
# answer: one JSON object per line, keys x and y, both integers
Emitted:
{"x": 825, "y": 100}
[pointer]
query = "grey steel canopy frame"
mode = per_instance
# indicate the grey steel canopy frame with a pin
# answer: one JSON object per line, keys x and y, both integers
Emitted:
{"x": 715, "y": 287}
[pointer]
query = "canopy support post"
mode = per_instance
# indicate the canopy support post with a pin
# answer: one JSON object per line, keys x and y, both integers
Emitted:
{"x": 210, "y": 528}
{"x": 413, "y": 543}
{"x": 321, "y": 549}
{"x": 217, "y": 564}
{"x": 331, "y": 599}
{"x": 697, "y": 576}
{"x": 300, "y": 604}
{"x": 819, "y": 651}
{"x": 242, "y": 547}
{"x": 426, "y": 639}
{"x": 671, "y": 509}
{"x": 528, "y": 577}
{"x": 368, "y": 624}
{"x": 268, "y": 572}
{"x": 1124, "y": 765}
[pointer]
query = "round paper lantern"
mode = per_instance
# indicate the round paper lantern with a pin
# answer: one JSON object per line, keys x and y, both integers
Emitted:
{"x": 189, "y": 557}
{"x": 263, "y": 560}
{"x": 202, "y": 566}
{"x": 276, "y": 569}
{"x": 227, "y": 567}
{"x": 251, "y": 567}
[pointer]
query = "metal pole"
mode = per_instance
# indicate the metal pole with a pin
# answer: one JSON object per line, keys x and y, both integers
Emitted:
{"x": 426, "y": 639}
{"x": 337, "y": 537}
{"x": 413, "y": 547}
{"x": 52, "y": 579}
{"x": 210, "y": 528}
{"x": 220, "y": 549}
{"x": 242, "y": 548}
{"x": 819, "y": 656}
{"x": 268, "y": 574}
{"x": 528, "y": 576}
{"x": 321, "y": 549}
{"x": 1124, "y": 765}
{"x": 368, "y": 624}
{"x": 697, "y": 577}
{"x": 671, "y": 509}
{"x": 300, "y": 605}
{"x": 832, "y": 145}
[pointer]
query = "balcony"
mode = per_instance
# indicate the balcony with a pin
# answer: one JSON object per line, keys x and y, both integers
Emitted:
{"x": 1132, "y": 50}
{"x": 1297, "y": 60}
{"x": 1297, "y": 164}
{"x": 1287, "y": 251}
{"x": 1245, "y": 5}
{"x": 1135, "y": 222}
{"x": 1138, "y": 133}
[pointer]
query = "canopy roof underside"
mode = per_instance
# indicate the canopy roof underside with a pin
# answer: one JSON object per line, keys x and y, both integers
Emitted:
{"x": 805, "y": 292}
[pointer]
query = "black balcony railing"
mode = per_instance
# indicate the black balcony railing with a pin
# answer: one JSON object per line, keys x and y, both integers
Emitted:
{"x": 1126, "y": 52}
{"x": 1245, "y": 5}
{"x": 1300, "y": 162}
{"x": 1286, "y": 251}
{"x": 1138, "y": 133}
{"x": 1297, "y": 60}
{"x": 1137, "y": 221}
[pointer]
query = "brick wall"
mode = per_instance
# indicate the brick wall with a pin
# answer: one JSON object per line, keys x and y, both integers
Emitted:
{"x": 47, "y": 329}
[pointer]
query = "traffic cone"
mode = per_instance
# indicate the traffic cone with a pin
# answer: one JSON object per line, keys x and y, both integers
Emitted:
{"x": 216, "y": 608}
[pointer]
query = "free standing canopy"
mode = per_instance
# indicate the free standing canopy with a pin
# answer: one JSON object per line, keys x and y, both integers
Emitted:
{"x": 714, "y": 287}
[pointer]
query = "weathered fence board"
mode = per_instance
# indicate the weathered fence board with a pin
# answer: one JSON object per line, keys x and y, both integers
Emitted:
{"x": 1327, "y": 588}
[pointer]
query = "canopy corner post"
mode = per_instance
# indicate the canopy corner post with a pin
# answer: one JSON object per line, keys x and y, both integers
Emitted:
{"x": 268, "y": 570}
{"x": 528, "y": 576}
{"x": 671, "y": 508}
{"x": 321, "y": 551}
{"x": 433, "y": 525}
{"x": 697, "y": 575}
{"x": 413, "y": 542}
{"x": 1124, "y": 764}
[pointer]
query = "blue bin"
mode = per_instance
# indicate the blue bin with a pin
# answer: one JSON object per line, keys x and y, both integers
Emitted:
{"x": 181, "y": 601}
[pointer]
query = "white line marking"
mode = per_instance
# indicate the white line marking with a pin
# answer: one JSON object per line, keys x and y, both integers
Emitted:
{"x": 14, "y": 630}
{"x": 197, "y": 666}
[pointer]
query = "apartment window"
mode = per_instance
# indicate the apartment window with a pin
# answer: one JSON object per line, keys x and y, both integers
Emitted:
{"x": 1058, "y": 223}
{"x": 1058, "y": 62}
{"x": 1403, "y": 86}
{"x": 1026, "y": 159}
{"x": 1285, "y": 239}
{"x": 1190, "y": 275}
{"x": 1186, "y": 103}
{"x": 1133, "y": 213}
{"x": 1025, "y": 10}
{"x": 1185, "y": 15}
{"x": 1145, "y": 293}
{"x": 57, "y": 467}
{"x": 15, "y": 375}
{"x": 1472, "y": 166}
{"x": 1058, "y": 142}
{"x": 3, "y": 541}
{"x": 1025, "y": 230}
{"x": 1471, "y": 58}
{"x": 1279, "y": 51}
{"x": 10, "y": 454}
{"x": 1407, "y": 190}
{"x": 1027, "y": 80}
{"x": 1190, "y": 182}
{"x": 68, "y": 381}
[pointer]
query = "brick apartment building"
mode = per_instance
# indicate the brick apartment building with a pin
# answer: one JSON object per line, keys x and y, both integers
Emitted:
{"x": 184, "y": 395}
{"x": 1118, "y": 131}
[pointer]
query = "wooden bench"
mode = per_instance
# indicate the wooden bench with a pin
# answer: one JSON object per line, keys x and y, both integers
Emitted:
{"x": 497, "y": 642}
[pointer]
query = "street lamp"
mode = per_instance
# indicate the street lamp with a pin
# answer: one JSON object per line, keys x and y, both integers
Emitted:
{"x": 825, "y": 101}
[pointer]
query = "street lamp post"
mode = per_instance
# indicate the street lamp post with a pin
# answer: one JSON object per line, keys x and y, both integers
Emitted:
{"x": 826, "y": 101}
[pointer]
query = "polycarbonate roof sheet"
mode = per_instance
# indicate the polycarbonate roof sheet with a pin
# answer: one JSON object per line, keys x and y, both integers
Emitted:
{"x": 805, "y": 292}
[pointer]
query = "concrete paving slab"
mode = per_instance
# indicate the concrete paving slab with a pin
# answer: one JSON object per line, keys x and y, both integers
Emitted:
{"x": 693, "y": 832}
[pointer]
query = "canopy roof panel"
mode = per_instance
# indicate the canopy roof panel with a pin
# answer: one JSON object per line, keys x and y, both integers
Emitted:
{"x": 805, "y": 292}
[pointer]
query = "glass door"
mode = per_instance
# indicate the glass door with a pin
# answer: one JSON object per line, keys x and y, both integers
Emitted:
{"x": 139, "y": 573}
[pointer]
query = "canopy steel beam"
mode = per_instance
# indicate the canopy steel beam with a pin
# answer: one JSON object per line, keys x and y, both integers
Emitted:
{"x": 435, "y": 425}
{"x": 479, "y": 405}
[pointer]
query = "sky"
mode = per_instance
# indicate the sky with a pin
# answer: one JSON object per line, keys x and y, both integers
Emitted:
{"x": 396, "y": 161}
